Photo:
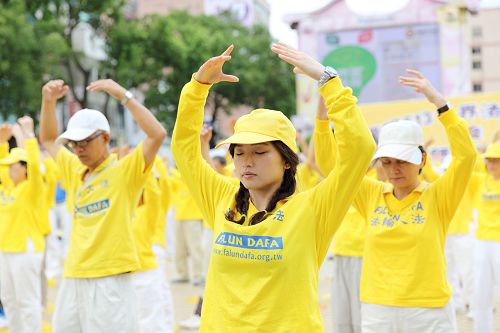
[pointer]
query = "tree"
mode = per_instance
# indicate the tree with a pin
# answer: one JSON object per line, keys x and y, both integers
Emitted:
{"x": 160, "y": 53}
{"x": 61, "y": 18}
{"x": 26, "y": 57}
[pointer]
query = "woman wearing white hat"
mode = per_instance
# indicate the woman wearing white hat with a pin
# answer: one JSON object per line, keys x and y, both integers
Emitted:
{"x": 403, "y": 280}
{"x": 487, "y": 246}
{"x": 268, "y": 243}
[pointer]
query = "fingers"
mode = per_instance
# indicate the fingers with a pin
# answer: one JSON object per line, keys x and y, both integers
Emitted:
{"x": 95, "y": 86}
{"x": 228, "y": 50}
{"x": 229, "y": 78}
{"x": 297, "y": 70}
{"x": 415, "y": 73}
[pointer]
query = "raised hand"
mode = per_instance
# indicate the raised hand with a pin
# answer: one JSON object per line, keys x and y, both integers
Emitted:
{"x": 108, "y": 86}
{"x": 206, "y": 134}
{"x": 5, "y": 132}
{"x": 211, "y": 71}
{"x": 27, "y": 126}
{"x": 53, "y": 90}
{"x": 420, "y": 84}
{"x": 302, "y": 62}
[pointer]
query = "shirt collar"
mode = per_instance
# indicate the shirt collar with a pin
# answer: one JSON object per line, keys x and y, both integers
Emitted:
{"x": 110, "y": 159}
{"x": 388, "y": 187}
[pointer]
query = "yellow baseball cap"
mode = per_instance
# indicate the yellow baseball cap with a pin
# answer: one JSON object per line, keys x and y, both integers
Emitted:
{"x": 16, "y": 155}
{"x": 263, "y": 125}
{"x": 493, "y": 151}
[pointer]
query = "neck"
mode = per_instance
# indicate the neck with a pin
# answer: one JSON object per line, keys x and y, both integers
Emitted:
{"x": 18, "y": 181}
{"x": 402, "y": 192}
{"x": 261, "y": 198}
{"x": 98, "y": 162}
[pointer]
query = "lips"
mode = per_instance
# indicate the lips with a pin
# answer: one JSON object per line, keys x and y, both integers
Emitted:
{"x": 248, "y": 174}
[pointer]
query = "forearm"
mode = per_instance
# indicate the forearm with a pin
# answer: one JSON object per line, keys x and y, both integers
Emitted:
{"x": 185, "y": 139}
{"x": 48, "y": 122}
{"x": 146, "y": 120}
{"x": 354, "y": 140}
{"x": 205, "y": 153}
{"x": 325, "y": 149}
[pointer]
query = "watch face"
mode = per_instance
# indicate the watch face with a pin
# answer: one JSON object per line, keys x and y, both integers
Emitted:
{"x": 128, "y": 94}
{"x": 331, "y": 71}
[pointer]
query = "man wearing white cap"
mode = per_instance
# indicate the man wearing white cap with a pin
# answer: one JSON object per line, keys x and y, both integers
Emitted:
{"x": 96, "y": 294}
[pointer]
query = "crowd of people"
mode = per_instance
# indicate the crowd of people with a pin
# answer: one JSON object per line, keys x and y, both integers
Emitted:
{"x": 413, "y": 243}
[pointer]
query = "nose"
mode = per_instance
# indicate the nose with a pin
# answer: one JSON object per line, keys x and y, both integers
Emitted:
{"x": 78, "y": 149}
{"x": 248, "y": 160}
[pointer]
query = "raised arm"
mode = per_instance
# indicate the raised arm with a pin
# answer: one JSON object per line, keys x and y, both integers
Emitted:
{"x": 450, "y": 187}
{"x": 51, "y": 92}
{"x": 325, "y": 150}
{"x": 204, "y": 182}
{"x": 332, "y": 197}
{"x": 155, "y": 133}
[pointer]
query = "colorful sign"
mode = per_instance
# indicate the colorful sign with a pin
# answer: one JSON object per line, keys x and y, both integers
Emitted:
{"x": 371, "y": 60}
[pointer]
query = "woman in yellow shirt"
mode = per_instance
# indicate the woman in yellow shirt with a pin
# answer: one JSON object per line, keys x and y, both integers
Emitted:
{"x": 268, "y": 242}
{"x": 487, "y": 246}
{"x": 22, "y": 232}
{"x": 403, "y": 280}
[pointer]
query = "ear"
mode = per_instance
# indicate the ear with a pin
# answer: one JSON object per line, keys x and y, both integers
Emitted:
{"x": 106, "y": 137}
{"x": 287, "y": 166}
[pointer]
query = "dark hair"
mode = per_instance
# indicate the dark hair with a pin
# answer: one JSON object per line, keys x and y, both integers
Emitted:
{"x": 286, "y": 189}
{"x": 423, "y": 152}
{"x": 220, "y": 159}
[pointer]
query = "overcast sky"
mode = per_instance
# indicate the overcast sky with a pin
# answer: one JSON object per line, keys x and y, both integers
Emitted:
{"x": 280, "y": 8}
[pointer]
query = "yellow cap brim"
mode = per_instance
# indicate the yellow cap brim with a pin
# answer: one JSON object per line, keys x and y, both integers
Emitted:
{"x": 491, "y": 155}
{"x": 247, "y": 138}
{"x": 10, "y": 160}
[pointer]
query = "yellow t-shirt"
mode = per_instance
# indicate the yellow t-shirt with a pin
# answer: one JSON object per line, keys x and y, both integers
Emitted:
{"x": 487, "y": 190}
{"x": 306, "y": 177}
{"x": 145, "y": 223}
{"x": 161, "y": 172}
{"x": 185, "y": 205}
{"x": 264, "y": 278}
{"x": 50, "y": 179}
{"x": 5, "y": 180}
{"x": 403, "y": 260}
{"x": 101, "y": 236}
{"x": 350, "y": 237}
{"x": 21, "y": 207}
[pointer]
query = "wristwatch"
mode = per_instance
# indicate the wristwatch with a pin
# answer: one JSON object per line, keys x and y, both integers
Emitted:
{"x": 444, "y": 108}
{"x": 328, "y": 74}
{"x": 128, "y": 95}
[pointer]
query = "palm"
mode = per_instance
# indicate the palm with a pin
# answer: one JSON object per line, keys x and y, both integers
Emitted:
{"x": 211, "y": 71}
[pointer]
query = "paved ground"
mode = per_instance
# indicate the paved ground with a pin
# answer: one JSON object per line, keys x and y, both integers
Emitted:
{"x": 186, "y": 297}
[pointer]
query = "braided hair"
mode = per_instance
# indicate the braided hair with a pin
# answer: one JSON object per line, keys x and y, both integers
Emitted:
{"x": 286, "y": 189}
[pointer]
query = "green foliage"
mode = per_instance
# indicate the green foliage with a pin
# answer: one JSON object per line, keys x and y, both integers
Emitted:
{"x": 156, "y": 54}
{"x": 164, "y": 51}
{"x": 26, "y": 57}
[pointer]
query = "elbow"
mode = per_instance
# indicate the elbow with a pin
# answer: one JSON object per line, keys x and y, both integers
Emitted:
{"x": 160, "y": 135}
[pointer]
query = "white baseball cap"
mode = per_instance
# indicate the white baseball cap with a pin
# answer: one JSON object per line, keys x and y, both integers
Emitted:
{"x": 83, "y": 124}
{"x": 400, "y": 140}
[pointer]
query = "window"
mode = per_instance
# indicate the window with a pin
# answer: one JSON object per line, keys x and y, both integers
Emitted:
{"x": 477, "y": 32}
{"x": 476, "y": 50}
{"x": 477, "y": 87}
{"x": 477, "y": 64}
